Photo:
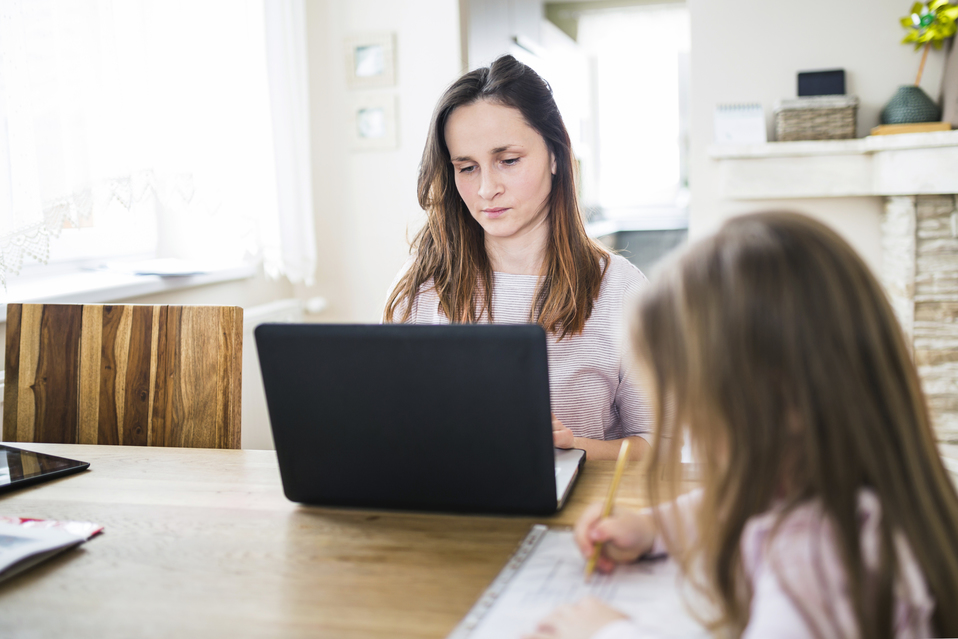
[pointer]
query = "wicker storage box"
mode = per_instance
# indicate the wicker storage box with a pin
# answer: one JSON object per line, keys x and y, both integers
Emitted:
{"x": 827, "y": 117}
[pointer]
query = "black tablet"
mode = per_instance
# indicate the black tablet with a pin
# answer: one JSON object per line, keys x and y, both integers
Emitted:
{"x": 24, "y": 467}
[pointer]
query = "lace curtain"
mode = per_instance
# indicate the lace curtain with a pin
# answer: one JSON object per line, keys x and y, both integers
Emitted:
{"x": 156, "y": 103}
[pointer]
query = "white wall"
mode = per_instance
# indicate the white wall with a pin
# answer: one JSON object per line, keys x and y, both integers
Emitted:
{"x": 492, "y": 25}
{"x": 750, "y": 51}
{"x": 365, "y": 201}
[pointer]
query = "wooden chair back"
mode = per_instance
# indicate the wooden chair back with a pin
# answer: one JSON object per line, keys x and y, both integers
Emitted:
{"x": 133, "y": 375}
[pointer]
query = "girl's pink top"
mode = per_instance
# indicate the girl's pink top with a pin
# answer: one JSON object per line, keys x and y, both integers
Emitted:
{"x": 798, "y": 582}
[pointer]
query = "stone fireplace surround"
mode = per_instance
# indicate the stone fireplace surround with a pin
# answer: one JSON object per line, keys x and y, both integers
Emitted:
{"x": 917, "y": 175}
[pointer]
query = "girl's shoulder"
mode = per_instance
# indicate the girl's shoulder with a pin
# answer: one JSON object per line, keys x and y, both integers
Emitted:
{"x": 806, "y": 527}
{"x": 801, "y": 547}
{"x": 808, "y": 519}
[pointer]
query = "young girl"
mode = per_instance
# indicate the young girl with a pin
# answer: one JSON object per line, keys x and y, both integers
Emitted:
{"x": 825, "y": 510}
{"x": 504, "y": 242}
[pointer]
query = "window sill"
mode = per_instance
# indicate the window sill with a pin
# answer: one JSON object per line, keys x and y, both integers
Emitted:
{"x": 96, "y": 287}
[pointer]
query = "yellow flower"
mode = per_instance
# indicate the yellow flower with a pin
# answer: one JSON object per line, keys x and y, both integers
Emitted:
{"x": 930, "y": 22}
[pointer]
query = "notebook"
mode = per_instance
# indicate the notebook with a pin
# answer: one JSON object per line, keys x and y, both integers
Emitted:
{"x": 440, "y": 418}
{"x": 740, "y": 124}
{"x": 547, "y": 571}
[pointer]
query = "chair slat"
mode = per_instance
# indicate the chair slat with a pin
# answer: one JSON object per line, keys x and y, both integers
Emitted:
{"x": 91, "y": 350}
{"x": 55, "y": 389}
{"x": 11, "y": 377}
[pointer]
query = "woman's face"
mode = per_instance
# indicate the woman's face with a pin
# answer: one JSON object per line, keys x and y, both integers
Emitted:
{"x": 503, "y": 168}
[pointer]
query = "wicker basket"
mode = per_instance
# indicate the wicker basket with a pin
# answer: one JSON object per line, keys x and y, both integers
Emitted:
{"x": 829, "y": 117}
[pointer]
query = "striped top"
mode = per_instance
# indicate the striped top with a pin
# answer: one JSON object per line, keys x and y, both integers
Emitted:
{"x": 588, "y": 373}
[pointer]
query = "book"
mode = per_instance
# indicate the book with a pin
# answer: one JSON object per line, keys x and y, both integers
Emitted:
{"x": 26, "y": 542}
{"x": 547, "y": 571}
{"x": 918, "y": 127}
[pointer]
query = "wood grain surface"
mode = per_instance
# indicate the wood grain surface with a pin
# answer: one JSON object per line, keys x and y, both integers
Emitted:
{"x": 135, "y": 375}
{"x": 203, "y": 543}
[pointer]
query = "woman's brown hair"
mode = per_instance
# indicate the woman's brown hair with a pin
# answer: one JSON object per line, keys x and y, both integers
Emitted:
{"x": 450, "y": 248}
{"x": 773, "y": 347}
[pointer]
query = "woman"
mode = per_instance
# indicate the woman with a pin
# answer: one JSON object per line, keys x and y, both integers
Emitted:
{"x": 504, "y": 242}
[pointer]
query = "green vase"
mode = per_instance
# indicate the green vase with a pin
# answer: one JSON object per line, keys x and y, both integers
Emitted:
{"x": 909, "y": 105}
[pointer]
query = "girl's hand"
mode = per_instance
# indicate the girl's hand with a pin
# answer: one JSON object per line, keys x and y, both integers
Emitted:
{"x": 625, "y": 537}
{"x": 576, "y": 621}
{"x": 562, "y": 437}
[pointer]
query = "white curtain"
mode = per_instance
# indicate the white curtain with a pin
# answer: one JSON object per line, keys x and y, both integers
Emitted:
{"x": 147, "y": 103}
{"x": 294, "y": 251}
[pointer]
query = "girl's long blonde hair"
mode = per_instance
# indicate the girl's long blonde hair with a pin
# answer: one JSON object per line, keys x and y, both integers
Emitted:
{"x": 450, "y": 249}
{"x": 773, "y": 346}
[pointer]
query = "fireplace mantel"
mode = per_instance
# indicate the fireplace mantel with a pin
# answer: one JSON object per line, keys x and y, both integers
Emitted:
{"x": 886, "y": 165}
{"x": 917, "y": 176}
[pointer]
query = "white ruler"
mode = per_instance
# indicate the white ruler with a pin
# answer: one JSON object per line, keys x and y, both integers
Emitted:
{"x": 498, "y": 586}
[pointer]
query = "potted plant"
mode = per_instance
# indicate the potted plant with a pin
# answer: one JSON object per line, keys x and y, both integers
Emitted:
{"x": 928, "y": 24}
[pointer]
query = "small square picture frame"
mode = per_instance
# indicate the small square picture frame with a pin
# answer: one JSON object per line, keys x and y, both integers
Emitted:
{"x": 371, "y": 60}
{"x": 373, "y": 122}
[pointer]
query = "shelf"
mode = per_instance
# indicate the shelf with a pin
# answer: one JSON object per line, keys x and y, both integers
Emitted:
{"x": 885, "y": 165}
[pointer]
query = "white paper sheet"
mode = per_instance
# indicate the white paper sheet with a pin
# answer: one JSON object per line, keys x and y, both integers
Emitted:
{"x": 26, "y": 542}
{"x": 552, "y": 574}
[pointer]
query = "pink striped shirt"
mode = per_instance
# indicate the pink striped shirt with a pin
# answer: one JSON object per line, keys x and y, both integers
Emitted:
{"x": 589, "y": 380}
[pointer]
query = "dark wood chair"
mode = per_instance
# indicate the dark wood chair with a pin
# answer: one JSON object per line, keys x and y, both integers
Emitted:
{"x": 132, "y": 375}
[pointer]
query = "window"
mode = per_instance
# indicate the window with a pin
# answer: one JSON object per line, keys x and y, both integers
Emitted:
{"x": 641, "y": 104}
{"x": 145, "y": 127}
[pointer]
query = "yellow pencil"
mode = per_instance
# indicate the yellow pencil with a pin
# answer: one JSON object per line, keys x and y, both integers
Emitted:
{"x": 609, "y": 500}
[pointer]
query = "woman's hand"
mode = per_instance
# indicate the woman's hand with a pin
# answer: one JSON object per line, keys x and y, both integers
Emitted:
{"x": 562, "y": 437}
{"x": 576, "y": 621}
{"x": 625, "y": 537}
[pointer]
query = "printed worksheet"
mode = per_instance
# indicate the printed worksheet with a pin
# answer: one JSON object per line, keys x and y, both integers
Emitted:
{"x": 551, "y": 574}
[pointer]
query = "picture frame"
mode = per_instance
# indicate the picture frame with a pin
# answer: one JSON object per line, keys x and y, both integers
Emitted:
{"x": 371, "y": 60}
{"x": 373, "y": 122}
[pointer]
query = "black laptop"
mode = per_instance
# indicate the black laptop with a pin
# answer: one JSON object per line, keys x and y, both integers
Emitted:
{"x": 447, "y": 418}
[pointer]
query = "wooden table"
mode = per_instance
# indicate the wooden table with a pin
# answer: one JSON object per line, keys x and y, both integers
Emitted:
{"x": 203, "y": 543}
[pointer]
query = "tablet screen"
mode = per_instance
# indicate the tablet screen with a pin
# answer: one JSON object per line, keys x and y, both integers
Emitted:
{"x": 23, "y": 467}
